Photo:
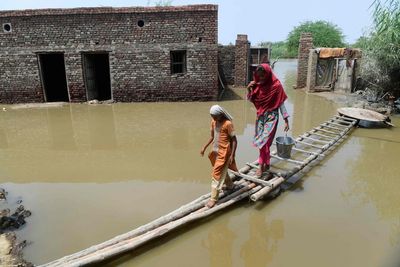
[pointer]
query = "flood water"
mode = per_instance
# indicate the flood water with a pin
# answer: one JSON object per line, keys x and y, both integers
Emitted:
{"x": 89, "y": 173}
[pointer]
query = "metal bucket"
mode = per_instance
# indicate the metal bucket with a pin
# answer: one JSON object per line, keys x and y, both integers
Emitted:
{"x": 284, "y": 146}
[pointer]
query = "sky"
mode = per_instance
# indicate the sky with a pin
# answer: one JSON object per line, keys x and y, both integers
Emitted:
{"x": 261, "y": 20}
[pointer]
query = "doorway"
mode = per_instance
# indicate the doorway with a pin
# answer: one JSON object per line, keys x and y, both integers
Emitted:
{"x": 96, "y": 69}
{"x": 52, "y": 74}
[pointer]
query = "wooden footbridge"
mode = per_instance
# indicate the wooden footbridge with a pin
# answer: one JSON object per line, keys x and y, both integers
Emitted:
{"x": 309, "y": 147}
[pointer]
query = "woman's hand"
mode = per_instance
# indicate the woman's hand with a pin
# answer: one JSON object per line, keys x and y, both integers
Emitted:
{"x": 202, "y": 151}
{"x": 286, "y": 125}
{"x": 251, "y": 85}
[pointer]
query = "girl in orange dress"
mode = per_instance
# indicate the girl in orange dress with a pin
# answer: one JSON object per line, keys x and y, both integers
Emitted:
{"x": 222, "y": 155}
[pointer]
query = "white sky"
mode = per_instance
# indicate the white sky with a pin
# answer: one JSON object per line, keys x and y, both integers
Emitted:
{"x": 261, "y": 20}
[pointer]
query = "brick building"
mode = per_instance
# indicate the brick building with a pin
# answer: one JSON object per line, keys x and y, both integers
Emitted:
{"x": 124, "y": 54}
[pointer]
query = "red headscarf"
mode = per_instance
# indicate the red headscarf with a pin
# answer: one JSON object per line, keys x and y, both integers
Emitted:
{"x": 268, "y": 95}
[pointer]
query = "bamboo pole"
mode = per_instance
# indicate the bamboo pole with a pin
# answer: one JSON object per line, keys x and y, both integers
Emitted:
{"x": 296, "y": 169}
{"x": 129, "y": 244}
{"x": 266, "y": 190}
{"x": 176, "y": 214}
{"x": 179, "y": 217}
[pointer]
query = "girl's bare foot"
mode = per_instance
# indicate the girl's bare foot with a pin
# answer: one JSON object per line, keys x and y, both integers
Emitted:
{"x": 210, "y": 203}
{"x": 259, "y": 171}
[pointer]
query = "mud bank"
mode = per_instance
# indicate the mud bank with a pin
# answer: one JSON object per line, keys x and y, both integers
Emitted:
{"x": 10, "y": 248}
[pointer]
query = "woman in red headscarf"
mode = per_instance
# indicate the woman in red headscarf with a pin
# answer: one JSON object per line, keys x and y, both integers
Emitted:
{"x": 267, "y": 95}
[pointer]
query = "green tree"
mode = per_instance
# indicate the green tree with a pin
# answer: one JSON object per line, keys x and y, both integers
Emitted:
{"x": 325, "y": 34}
{"x": 381, "y": 47}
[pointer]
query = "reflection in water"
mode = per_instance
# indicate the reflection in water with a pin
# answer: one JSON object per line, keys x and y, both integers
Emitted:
{"x": 97, "y": 171}
{"x": 60, "y": 129}
{"x": 3, "y": 139}
{"x": 374, "y": 174}
{"x": 101, "y": 127}
{"x": 262, "y": 244}
{"x": 219, "y": 244}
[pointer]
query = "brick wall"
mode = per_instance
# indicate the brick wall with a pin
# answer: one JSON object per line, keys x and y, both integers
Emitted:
{"x": 226, "y": 63}
{"x": 139, "y": 56}
{"x": 305, "y": 44}
{"x": 242, "y": 60}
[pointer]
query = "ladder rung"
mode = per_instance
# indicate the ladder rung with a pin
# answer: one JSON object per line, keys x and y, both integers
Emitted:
{"x": 315, "y": 140}
{"x": 288, "y": 160}
{"x": 256, "y": 167}
{"x": 308, "y": 144}
{"x": 342, "y": 122}
{"x": 330, "y": 127}
{"x": 337, "y": 124}
{"x": 326, "y": 131}
{"x": 321, "y": 135}
{"x": 251, "y": 178}
{"x": 346, "y": 118}
{"x": 308, "y": 152}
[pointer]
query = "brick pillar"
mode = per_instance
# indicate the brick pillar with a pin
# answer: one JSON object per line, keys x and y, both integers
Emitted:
{"x": 312, "y": 73}
{"x": 242, "y": 50}
{"x": 305, "y": 44}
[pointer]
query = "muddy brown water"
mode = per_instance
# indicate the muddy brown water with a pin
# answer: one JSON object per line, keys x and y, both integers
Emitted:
{"x": 89, "y": 173}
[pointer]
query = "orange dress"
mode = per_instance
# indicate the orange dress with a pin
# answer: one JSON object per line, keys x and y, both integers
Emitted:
{"x": 221, "y": 148}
